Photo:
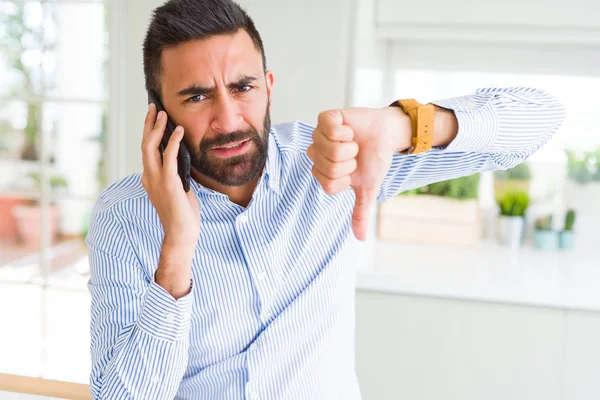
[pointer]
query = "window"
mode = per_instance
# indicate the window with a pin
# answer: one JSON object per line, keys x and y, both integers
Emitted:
{"x": 53, "y": 125}
{"x": 577, "y": 93}
{"x": 53, "y": 119}
{"x": 579, "y": 132}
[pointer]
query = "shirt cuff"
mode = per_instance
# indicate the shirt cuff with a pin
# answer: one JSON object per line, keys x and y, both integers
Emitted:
{"x": 164, "y": 317}
{"x": 477, "y": 123}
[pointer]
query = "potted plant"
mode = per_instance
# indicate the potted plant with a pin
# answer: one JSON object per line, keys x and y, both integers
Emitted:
{"x": 566, "y": 237}
{"x": 583, "y": 166}
{"x": 440, "y": 213}
{"x": 513, "y": 179}
{"x": 511, "y": 223}
{"x": 29, "y": 215}
{"x": 582, "y": 191}
{"x": 544, "y": 237}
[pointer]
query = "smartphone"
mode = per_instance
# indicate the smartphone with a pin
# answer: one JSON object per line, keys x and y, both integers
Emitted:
{"x": 183, "y": 156}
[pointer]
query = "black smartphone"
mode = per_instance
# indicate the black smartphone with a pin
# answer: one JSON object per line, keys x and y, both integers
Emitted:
{"x": 183, "y": 156}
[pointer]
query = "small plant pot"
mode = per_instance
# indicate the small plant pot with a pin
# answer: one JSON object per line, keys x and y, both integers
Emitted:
{"x": 510, "y": 231}
{"x": 566, "y": 240}
{"x": 8, "y": 224}
{"x": 545, "y": 240}
{"x": 29, "y": 224}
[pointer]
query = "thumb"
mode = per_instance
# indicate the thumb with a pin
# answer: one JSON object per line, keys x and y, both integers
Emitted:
{"x": 360, "y": 216}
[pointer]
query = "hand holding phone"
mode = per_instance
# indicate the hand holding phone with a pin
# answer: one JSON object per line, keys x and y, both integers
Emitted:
{"x": 178, "y": 210}
{"x": 183, "y": 156}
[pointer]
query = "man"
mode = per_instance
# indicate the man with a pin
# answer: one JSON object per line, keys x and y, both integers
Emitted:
{"x": 244, "y": 286}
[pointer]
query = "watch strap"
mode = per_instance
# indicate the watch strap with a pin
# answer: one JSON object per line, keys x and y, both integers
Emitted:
{"x": 421, "y": 117}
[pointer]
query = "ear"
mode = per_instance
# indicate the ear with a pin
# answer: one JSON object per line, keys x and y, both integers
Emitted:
{"x": 270, "y": 79}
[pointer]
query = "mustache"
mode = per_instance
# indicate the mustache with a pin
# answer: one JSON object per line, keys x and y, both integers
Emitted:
{"x": 228, "y": 138}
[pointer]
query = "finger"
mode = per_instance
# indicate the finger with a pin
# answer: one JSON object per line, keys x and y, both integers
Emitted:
{"x": 150, "y": 151}
{"x": 158, "y": 130}
{"x": 330, "y": 118}
{"x": 334, "y": 170}
{"x": 170, "y": 154}
{"x": 149, "y": 122}
{"x": 331, "y": 186}
{"x": 339, "y": 133}
{"x": 360, "y": 216}
{"x": 335, "y": 151}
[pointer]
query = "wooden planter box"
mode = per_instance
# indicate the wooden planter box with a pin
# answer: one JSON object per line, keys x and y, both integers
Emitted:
{"x": 430, "y": 219}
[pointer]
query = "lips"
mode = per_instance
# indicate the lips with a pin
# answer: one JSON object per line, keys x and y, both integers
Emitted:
{"x": 230, "y": 145}
{"x": 238, "y": 148}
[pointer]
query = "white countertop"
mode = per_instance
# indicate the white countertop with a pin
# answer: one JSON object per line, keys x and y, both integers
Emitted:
{"x": 488, "y": 272}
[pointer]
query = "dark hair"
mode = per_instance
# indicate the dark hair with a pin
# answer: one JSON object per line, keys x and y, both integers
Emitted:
{"x": 179, "y": 21}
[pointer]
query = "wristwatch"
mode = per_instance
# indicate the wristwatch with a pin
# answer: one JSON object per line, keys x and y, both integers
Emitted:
{"x": 421, "y": 116}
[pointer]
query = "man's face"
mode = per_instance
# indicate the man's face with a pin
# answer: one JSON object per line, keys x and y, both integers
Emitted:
{"x": 217, "y": 90}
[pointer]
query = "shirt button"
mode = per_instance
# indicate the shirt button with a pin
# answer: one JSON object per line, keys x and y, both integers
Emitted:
{"x": 156, "y": 379}
{"x": 266, "y": 315}
{"x": 170, "y": 317}
{"x": 243, "y": 218}
{"x": 254, "y": 396}
{"x": 253, "y": 347}
{"x": 261, "y": 276}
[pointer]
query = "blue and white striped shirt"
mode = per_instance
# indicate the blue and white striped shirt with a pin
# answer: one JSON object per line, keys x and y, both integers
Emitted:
{"x": 271, "y": 311}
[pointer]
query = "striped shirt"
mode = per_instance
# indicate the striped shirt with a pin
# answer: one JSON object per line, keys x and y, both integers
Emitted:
{"x": 270, "y": 314}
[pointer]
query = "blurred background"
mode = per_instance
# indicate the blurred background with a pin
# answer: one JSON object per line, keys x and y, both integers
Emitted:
{"x": 490, "y": 294}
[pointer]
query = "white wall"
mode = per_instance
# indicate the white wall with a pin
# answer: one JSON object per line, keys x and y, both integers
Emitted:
{"x": 307, "y": 46}
{"x": 544, "y": 21}
{"x": 508, "y": 12}
{"x": 421, "y": 348}
{"x": 128, "y": 98}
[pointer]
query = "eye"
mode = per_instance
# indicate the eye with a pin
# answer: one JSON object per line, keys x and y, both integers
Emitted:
{"x": 244, "y": 88}
{"x": 196, "y": 99}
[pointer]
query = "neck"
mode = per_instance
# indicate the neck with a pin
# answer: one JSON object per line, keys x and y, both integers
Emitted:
{"x": 240, "y": 195}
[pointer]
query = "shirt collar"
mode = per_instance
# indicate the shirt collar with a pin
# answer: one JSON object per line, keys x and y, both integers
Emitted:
{"x": 273, "y": 165}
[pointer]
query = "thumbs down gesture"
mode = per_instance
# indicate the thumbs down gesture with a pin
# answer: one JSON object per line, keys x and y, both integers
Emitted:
{"x": 353, "y": 148}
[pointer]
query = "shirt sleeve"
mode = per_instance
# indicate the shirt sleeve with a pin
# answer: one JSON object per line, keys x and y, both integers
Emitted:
{"x": 139, "y": 332}
{"x": 498, "y": 128}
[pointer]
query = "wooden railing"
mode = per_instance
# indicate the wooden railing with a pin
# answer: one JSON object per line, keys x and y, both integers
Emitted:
{"x": 44, "y": 387}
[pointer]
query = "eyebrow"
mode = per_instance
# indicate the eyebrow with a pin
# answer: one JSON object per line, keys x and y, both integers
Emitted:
{"x": 195, "y": 89}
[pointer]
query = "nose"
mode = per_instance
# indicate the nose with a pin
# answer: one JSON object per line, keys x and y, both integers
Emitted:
{"x": 227, "y": 117}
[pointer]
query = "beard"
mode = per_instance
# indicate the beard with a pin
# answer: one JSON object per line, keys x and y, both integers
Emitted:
{"x": 239, "y": 170}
